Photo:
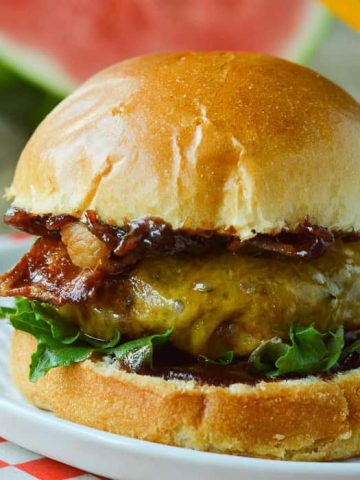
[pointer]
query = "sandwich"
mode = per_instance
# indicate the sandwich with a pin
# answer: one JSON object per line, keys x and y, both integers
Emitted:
{"x": 195, "y": 278}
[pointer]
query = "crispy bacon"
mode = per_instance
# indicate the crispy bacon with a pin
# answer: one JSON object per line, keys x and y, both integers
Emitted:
{"x": 46, "y": 273}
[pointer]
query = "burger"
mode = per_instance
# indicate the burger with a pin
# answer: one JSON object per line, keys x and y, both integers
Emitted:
{"x": 196, "y": 276}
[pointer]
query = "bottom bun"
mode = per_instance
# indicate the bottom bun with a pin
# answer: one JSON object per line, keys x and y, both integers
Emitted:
{"x": 304, "y": 419}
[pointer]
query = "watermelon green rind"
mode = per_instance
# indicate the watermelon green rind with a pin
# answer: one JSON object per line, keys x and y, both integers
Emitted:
{"x": 22, "y": 102}
{"x": 312, "y": 35}
{"x": 43, "y": 71}
{"x": 35, "y": 67}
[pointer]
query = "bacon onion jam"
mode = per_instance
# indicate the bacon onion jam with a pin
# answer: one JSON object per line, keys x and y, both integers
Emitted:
{"x": 215, "y": 292}
{"x": 154, "y": 235}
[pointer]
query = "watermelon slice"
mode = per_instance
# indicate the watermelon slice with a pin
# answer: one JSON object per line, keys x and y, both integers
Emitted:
{"x": 60, "y": 43}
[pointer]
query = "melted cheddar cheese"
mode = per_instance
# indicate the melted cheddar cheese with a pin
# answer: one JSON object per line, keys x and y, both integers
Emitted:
{"x": 228, "y": 301}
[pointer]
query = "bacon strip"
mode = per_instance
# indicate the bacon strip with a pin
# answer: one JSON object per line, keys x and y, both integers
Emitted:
{"x": 46, "y": 273}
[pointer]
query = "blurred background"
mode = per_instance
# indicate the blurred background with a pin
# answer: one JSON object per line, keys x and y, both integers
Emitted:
{"x": 48, "y": 47}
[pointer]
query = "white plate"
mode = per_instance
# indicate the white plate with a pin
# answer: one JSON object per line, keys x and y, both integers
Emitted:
{"x": 122, "y": 458}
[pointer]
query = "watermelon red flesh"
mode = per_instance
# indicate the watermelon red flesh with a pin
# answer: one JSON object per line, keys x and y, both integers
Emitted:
{"x": 83, "y": 36}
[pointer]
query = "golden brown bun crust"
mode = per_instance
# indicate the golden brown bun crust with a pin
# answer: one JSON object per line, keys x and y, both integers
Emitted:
{"x": 202, "y": 140}
{"x": 307, "y": 419}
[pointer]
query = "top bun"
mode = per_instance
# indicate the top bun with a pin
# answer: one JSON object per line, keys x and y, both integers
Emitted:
{"x": 234, "y": 142}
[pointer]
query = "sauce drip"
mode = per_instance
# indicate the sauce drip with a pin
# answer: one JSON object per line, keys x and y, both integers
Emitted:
{"x": 171, "y": 364}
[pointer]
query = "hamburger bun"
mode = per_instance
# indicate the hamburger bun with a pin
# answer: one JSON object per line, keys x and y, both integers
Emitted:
{"x": 234, "y": 143}
{"x": 305, "y": 419}
{"x": 228, "y": 142}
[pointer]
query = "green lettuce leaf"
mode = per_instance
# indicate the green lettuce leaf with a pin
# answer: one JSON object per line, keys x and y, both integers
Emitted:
{"x": 137, "y": 353}
{"x": 310, "y": 351}
{"x": 5, "y": 311}
{"x": 103, "y": 344}
{"x": 60, "y": 343}
{"x": 350, "y": 349}
{"x": 225, "y": 359}
{"x": 48, "y": 356}
{"x": 266, "y": 355}
{"x": 41, "y": 321}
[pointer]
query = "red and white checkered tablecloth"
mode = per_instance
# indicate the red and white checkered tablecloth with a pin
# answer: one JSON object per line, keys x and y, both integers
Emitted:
{"x": 16, "y": 463}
